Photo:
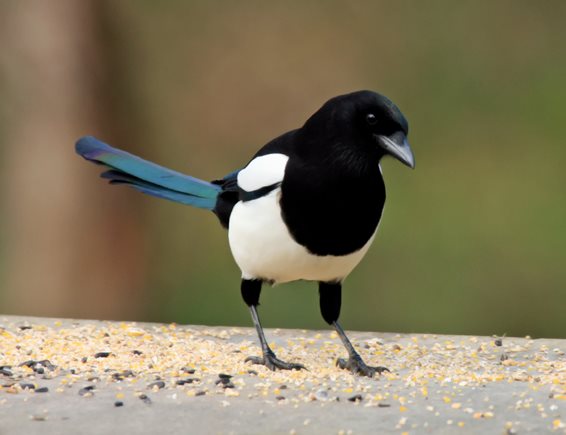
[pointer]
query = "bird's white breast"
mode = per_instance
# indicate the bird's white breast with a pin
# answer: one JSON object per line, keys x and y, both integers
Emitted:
{"x": 260, "y": 241}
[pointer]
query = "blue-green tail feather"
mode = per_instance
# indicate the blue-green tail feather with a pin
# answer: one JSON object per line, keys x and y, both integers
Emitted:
{"x": 147, "y": 177}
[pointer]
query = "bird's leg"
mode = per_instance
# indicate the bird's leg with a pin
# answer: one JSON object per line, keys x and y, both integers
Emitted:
{"x": 354, "y": 363}
{"x": 250, "y": 292}
{"x": 268, "y": 358}
{"x": 330, "y": 302}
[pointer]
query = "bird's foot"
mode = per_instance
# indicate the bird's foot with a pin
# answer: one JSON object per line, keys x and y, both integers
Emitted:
{"x": 358, "y": 367}
{"x": 270, "y": 361}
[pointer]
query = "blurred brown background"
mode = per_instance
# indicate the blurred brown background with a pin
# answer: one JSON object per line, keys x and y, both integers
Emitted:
{"x": 472, "y": 241}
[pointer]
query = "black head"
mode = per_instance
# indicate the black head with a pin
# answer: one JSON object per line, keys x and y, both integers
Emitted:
{"x": 364, "y": 119}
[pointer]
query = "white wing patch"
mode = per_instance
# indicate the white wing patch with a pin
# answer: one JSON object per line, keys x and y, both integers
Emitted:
{"x": 263, "y": 171}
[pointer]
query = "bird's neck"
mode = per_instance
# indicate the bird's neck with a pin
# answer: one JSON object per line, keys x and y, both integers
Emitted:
{"x": 341, "y": 162}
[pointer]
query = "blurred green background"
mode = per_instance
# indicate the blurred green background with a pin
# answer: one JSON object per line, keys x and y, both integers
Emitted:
{"x": 473, "y": 241}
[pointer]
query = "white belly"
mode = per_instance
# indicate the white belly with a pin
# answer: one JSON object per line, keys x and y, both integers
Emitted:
{"x": 264, "y": 249}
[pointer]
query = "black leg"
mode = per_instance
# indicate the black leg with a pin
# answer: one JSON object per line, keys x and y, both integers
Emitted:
{"x": 250, "y": 292}
{"x": 330, "y": 301}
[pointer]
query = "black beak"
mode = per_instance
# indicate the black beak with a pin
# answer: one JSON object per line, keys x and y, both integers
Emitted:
{"x": 398, "y": 146}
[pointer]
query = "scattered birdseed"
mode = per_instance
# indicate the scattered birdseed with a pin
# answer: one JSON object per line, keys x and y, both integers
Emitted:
{"x": 5, "y": 370}
{"x": 321, "y": 395}
{"x": 25, "y": 386}
{"x": 231, "y": 393}
{"x": 123, "y": 374}
{"x": 356, "y": 398}
{"x": 425, "y": 370}
{"x": 145, "y": 399}
{"x": 38, "y": 366}
{"x": 157, "y": 384}
{"x": 102, "y": 354}
{"x": 187, "y": 381}
{"x": 47, "y": 364}
{"x": 87, "y": 391}
{"x": 224, "y": 381}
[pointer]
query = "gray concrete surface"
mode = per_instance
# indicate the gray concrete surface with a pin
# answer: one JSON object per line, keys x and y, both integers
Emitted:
{"x": 437, "y": 384}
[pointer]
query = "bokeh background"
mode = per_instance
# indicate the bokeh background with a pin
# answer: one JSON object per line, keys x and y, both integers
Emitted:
{"x": 473, "y": 241}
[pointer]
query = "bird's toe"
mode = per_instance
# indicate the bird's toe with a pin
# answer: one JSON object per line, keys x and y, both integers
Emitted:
{"x": 358, "y": 367}
{"x": 254, "y": 359}
{"x": 273, "y": 363}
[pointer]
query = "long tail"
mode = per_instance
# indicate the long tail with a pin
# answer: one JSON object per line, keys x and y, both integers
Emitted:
{"x": 148, "y": 177}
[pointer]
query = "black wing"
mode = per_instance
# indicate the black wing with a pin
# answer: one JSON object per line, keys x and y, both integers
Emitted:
{"x": 231, "y": 193}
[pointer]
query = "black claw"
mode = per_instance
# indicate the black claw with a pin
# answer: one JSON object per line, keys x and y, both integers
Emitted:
{"x": 358, "y": 367}
{"x": 270, "y": 361}
{"x": 254, "y": 360}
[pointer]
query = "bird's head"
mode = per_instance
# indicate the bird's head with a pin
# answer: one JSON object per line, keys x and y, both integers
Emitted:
{"x": 365, "y": 119}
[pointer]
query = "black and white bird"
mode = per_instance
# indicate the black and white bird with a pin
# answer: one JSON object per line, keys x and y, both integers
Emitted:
{"x": 306, "y": 207}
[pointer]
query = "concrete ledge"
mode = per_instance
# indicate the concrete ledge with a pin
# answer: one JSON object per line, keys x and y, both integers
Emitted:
{"x": 92, "y": 377}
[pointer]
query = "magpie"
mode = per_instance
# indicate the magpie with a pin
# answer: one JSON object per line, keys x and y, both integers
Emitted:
{"x": 305, "y": 207}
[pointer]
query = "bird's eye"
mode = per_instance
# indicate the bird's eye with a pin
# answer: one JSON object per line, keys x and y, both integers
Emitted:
{"x": 371, "y": 119}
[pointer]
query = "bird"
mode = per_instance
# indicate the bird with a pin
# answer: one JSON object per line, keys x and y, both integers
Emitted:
{"x": 306, "y": 206}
